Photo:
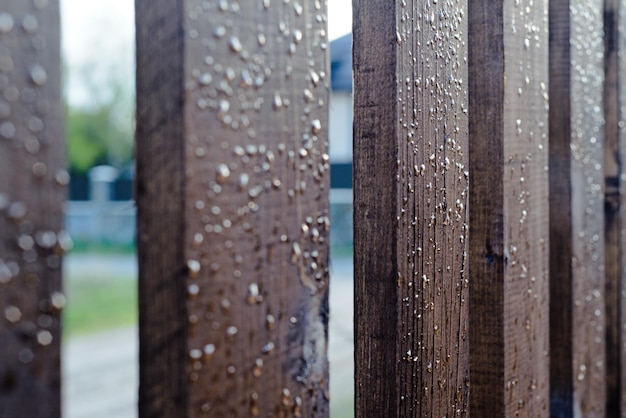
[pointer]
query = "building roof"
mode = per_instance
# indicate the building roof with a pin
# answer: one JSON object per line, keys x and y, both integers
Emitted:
{"x": 341, "y": 63}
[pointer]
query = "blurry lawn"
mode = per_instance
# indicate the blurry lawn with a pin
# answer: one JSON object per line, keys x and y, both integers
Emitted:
{"x": 96, "y": 302}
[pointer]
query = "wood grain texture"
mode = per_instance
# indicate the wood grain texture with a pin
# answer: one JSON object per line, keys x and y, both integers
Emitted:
{"x": 160, "y": 209}
{"x": 33, "y": 184}
{"x": 508, "y": 255}
{"x": 617, "y": 156}
{"x": 233, "y": 186}
{"x": 578, "y": 366}
{"x": 375, "y": 208}
{"x": 612, "y": 202}
{"x": 410, "y": 128}
{"x": 620, "y": 45}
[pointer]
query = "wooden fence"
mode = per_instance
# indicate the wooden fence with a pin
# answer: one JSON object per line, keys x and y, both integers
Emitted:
{"x": 488, "y": 208}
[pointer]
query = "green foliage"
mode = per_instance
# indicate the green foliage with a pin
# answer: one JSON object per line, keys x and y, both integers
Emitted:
{"x": 97, "y": 136}
{"x": 99, "y": 127}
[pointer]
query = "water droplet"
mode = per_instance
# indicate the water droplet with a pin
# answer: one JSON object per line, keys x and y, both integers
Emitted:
{"x": 7, "y": 130}
{"x": 277, "y": 102}
{"x": 257, "y": 370}
{"x": 16, "y": 211}
{"x": 235, "y": 44}
{"x": 46, "y": 239}
{"x": 267, "y": 348}
{"x": 25, "y": 356}
{"x": 12, "y": 314}
{"x": 30, "y": 24}
{"x": 296, "y": 252}
{"x": 297, "y": 407}
{"x": 25, "y": 242}
{"x": 6, "y": 22}
{"x": 62, "y": 177}
{"x": 209, "y": 350}
{"x": 44, "y": 337}
{"x": 223, "y": 172}
{"x": 253, "y": 294}
{"x": 65, "y": 241}
{"x": 219, "y": 32}
{"x": 38, "y": 75}
{"x": 255, "y": 191}
{"x": 297, "y": 36}
{"x": 254, "y": 407}
{"x": 195, "y": 354}
{"x": 244, "y": 179}
{"x": 270, "y": 322}
{"x": 39, "y": 169}
{"x": 193, "y": 290}
{"x": 193, "y": 266}
{"x": 5, "y": 273}
{"x": 315, "y": 78}
{"x": 58, "y": 300}
{"x": 316, "y": 125}
{"x": 205, "y": 79}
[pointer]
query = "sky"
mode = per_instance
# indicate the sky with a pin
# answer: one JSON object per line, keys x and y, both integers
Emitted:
{"x": 98, "y": 44}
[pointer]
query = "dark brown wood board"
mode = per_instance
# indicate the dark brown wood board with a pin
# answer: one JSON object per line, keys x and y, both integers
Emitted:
{"x": 508, "y": 208}
{"x": 232, "y": 192}
{"x": 612, "y": 208}
{"x": 33, "y": 184}
{"x": 577, "y": 302}
{"x": 410, "y": 213}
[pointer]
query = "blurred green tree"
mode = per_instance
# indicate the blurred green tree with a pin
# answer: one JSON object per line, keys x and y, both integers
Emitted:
{"x": 99, "y": 112}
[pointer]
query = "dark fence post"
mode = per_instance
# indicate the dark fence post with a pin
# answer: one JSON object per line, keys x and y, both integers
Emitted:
{"x": 612, "y": 208}
{"x": 232, "y": 195}
{"x": 410, "y": 213}
{"x": 577, "y": 301}
{"x": 33, "y": 184}
{"x": 508, "y": 205}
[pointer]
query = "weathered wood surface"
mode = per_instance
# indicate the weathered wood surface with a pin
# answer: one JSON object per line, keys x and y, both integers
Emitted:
{"x": 612, "y": 209}
{"x": 577, "y": 303}
{"x": 233, "y": 208}
{"x": 32, "y": 191}
{"x": 620, "y": 40}
{"x": 410, "y": 213}
{"x": 508, "y": 255}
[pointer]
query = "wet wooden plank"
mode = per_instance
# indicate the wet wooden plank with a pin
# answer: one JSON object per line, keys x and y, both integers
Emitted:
{"x": 620, "y": 20}
{"x": 233, "y": 208}
{"x": 33, "y": 184}
{"x": 577, "y": 303}
{"x": 410, "y": 218}
{"x": 508, "y": 254}
{"x": 612, "y": 208}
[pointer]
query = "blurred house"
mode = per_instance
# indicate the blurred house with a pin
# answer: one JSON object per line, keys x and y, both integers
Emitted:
{"x": 340, "y": 118}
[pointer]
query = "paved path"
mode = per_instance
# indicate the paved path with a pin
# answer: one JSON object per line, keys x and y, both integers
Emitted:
{"x": 100, "y": 371}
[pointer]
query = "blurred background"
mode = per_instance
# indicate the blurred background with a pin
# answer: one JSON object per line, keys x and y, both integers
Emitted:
{"x": 100, "y": 346}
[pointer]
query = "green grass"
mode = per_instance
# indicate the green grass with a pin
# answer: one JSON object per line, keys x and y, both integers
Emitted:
{"x": 341, "y": 408}
{"x": 103, "y": 247}
{"x": 96, "y": 303}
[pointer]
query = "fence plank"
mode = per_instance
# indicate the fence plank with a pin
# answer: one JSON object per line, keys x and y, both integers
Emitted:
{"x": 612, "y": 208}
{"x": 577, "y": 367}
{"x": 233, "y": 208}
{"x": 32, "y": 191}
{"x": 410, "y": 128}
{"x": 620, "y": 40}
{"x": 508, "y": 256}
